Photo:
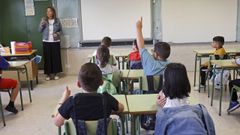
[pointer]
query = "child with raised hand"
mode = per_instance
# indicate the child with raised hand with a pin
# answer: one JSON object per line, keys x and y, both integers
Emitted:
{"x": 89, "y": 78}
{"x": 152, "y": 65}
{"x": 134, "y": 57}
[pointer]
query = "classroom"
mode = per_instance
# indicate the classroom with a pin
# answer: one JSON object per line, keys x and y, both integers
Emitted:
{"x": 119, "y": 67}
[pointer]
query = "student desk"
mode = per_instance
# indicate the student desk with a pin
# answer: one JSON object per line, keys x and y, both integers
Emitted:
{"x": 131, "y": 74}
{"x": 139, "y": 105}
{"x": 135, "y": 105}
{"x": 144, "y": 105}
{"x": 28, "y": 55}
{"x": 32, "y": 67}
{"x": 223, "y": 65}
{"x": 20, "y": 66}
{"x": 199, "y": 54}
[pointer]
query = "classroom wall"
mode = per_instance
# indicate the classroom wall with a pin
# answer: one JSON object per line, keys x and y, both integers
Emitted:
{"x": 238, "y": 21}
{"x": 18, "y": 27}
{"x": 187, "y": 21}
{"x": 0, "y": 22}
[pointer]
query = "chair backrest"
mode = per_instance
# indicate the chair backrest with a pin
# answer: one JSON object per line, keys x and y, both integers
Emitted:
{"x": 154, "y": 83}
{"x": 91, "y": 127}
{"x": 111, "y": 60}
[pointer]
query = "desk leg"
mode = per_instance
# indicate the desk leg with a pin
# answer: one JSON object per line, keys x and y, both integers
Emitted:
{"x": 29, "y": 91}
{"x": 199, "y": 77}
{"x": 31, "y": 85}
{"x": 221, "y": 93}
{"x": 123, "y": 120}
{"x": 213, "y": 90}
{"x": 20, "y": 88}
{"x": 140, "y": 83}
{"x": 59, "y": 130}
{"x": 37, "y": 79}
{"x": 195, "y": 70}
{"x": 133, "y": 124}
{"x": 2, "y": 114}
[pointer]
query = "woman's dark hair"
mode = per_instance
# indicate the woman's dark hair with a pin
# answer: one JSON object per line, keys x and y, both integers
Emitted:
{"x": 176, "y": 82}
{"x": 90, "y": 77}
{"x": 135, "y": 43}
{"x": 53, "y": 10}
{"x": 103, "y": 55}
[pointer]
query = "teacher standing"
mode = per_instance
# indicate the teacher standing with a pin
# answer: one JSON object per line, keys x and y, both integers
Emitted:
{"x": 51, "y": 28}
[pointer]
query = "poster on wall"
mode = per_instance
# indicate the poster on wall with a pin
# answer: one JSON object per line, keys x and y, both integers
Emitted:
{"x": 29, "y": 8}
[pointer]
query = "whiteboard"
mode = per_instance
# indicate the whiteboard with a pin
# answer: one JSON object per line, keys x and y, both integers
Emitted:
{"x": 198, "y": 20}
{"x": 114, "y": 18}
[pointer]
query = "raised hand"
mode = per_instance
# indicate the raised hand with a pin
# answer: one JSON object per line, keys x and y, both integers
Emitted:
{"x": 139, "y": 24}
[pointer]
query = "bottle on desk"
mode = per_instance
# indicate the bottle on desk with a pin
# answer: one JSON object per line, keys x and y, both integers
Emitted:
{"x": 13, "y": 47}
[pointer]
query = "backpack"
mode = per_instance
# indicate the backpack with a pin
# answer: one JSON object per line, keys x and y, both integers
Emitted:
{"x": 189, "y": 119}
{"x": 3, "y": 63}
{"x": 107, "y": 85}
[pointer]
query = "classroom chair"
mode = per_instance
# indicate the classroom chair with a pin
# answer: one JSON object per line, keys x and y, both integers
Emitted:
{"x": 1, "y": 110}
{"x": 234, "y": 88}
{"x": 9, "y": 93}
{"x": 211, "y": 70}
{"x": 91, "y": 127}
{"x": 123, "y": 62}
{"x": 111, "y": 60}
{"x": 1, "y": 106}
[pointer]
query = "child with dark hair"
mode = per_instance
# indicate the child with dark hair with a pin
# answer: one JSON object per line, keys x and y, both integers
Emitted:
{"x": 176, "y": 116}
{"x": 152, "y": 65}
{"x": 134, "y": 57}
{"x": 89, "y": 78}
{"x": 107, "y": 41}
{"x": 103, "y": 56}
{"x": 218, "y": 42}
{"x": 8, "y": 84}
{"x": 176, "y": 86}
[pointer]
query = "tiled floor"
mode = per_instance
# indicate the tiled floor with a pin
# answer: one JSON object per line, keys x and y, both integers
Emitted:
{"x": 36, "y": 118}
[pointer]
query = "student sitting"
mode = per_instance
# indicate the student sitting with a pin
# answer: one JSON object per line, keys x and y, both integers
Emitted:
{"x": 90, "y": 78}
{"x": 175, "y": 116}
{"x": 103, "y": 56}
{"x": 106, "y": 41}
{"x": 152, "y": 65}
{"x": 134, "y": 57}
{"x": 218, "y": 42}
{"x": 6, "y": 84}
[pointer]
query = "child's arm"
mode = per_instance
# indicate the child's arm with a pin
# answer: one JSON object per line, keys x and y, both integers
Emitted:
{"x": 161, "y": 99}
{"x": 59, "y": 119}
{"x": 140, "y": 39}
{"x": 120, "y": 107}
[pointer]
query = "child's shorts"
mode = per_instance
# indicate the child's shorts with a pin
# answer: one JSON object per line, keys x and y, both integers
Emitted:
{"x": 8, "y": 83}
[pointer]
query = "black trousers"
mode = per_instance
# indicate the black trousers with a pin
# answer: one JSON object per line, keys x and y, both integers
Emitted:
{"x": 231, "y": 83}
{"x": 52, "y": 58}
